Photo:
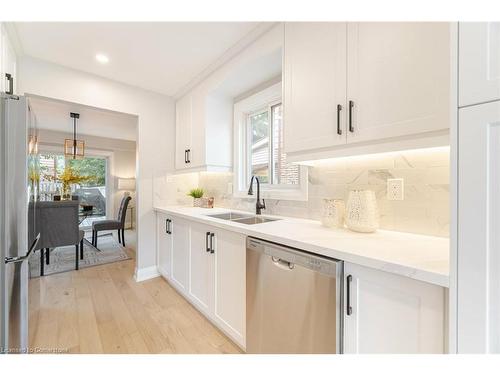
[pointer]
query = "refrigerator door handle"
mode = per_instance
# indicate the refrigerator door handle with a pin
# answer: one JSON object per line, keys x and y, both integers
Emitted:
{"x": 24, "y": 257}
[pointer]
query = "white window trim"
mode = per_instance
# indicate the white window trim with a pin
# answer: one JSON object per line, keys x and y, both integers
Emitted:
{"x": 242, "y": 109}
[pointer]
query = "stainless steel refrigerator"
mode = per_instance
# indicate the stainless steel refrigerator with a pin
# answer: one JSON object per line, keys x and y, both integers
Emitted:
{"x": 19, "y": 173}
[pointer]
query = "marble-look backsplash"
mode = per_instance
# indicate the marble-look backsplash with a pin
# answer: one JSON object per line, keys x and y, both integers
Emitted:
{"x": 424, "y": 210}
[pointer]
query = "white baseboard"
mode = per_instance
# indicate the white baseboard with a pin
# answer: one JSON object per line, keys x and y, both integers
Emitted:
{"x": 147, "y": 273}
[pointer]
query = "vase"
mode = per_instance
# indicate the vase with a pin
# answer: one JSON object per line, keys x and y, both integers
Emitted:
{"x": 197, "y": 202}
{"x": 362, "y": 211}
{"x": 333, "y": 213}
{"x": 66, "y": 191}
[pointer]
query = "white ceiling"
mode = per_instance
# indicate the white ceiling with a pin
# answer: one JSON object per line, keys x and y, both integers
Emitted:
{"x": 54, "y": 115}
{"x": 162, "y": 57}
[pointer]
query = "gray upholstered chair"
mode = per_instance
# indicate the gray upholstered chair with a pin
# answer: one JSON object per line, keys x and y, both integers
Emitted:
{"x": 118, "y": 224}
{"x": 57, "y": 223}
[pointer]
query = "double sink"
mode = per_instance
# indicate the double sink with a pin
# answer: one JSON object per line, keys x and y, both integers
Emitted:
{"x": 242, "y": 218}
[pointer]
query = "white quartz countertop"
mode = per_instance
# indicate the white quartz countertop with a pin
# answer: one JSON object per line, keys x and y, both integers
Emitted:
{"x": 419, "y": 257}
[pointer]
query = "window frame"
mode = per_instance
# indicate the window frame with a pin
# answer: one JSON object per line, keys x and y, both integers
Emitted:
{"x": 243, "y": 109}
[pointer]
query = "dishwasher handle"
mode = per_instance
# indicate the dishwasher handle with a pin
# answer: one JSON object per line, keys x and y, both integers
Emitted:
{"x": 282, "y": 263}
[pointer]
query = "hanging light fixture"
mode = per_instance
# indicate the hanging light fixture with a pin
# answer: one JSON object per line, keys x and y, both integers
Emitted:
{"x": 73, "y": 148}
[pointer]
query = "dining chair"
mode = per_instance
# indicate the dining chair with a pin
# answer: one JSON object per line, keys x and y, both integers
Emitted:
{"x": 113, "y": 224}
{"x": 58, "y": 225}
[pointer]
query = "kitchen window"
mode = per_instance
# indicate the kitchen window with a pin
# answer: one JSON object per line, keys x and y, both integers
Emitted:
{"x": 259, "y": 132}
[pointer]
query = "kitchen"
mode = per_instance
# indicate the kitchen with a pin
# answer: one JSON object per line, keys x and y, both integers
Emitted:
{"x": 306, "y": 192}
{"x": 401, "y": 273}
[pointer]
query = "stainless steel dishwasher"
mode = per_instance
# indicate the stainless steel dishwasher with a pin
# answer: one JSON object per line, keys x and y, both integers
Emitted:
{"x": 294, "y": 300}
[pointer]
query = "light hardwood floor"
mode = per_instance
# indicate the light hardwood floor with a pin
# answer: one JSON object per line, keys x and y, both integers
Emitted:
{"x": 103, "y": 310}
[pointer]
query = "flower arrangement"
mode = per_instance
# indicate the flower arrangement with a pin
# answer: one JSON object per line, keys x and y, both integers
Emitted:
{"x": 68, "y": 177}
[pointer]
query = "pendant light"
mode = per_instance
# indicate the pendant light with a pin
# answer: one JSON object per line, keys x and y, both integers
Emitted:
{"x": 74, "y": 148}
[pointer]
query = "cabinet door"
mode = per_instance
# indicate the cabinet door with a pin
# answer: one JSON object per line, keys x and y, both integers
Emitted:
{"x": 197, "y": 133}
{"x": 183, "y": 121}
{"x": 479, "y": 62}
{"x": 164, "y": 245}
{"x": 314, "y": 83}
{"x": 391, "y": 314}
{"x": 201, "y": 267}
{"x": 230, "y": 284}
{"x": 478, "y": 260}
{"x": 180, "y": 253}
{"x": 398, "y": 79}
{"x": 7, "y": 61}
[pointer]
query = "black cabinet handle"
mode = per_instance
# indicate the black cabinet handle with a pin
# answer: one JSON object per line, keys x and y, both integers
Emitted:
{"x": 212, "y": 250}
{"x": 166, "y": 226}
{"x": 351, "y": 106}
{"x": 206, "y": 242}
{"x": 10, "y": 79}
{"x": 348, "y": 292}
{"x": 339, "y": 108}
{"x": 185, "y": 156}
{"x": 189, "y": 155}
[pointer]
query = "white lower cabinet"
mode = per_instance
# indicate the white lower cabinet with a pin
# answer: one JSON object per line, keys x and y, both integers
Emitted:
{"x": 180, "y": 229}
{"x": 230, "y": 284}
{"x": 164, "y": 244}
{"x": 208, "y": 268}
{"x": 383, "y": 312}
{"x": 386, "y": 313}
{"x": 201, "y": 267}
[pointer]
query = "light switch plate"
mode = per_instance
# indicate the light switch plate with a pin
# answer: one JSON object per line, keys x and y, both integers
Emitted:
{"x": 395, "y": 189}
{"x": 229, "y": 188}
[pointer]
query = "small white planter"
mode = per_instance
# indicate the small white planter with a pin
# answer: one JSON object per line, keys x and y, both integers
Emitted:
{"x": 197, "y": 202}
{"x": 362, "y": 211}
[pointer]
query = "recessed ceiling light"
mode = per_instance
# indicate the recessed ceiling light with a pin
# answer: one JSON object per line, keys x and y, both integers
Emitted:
{"x": 103, "y": 59}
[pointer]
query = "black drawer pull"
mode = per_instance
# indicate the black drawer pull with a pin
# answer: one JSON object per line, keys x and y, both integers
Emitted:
{"x": 348, "y": 291}
{"x": 339, "y": 108}
{"x": 212, "y": 250}
{"x": 351, "y": 106}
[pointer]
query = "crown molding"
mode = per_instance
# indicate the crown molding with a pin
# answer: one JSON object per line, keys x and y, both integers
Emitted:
{"x": 11, "y": 30}
{"x": 243, "y": 43}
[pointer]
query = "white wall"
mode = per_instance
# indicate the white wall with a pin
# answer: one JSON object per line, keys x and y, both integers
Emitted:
{"x": 155, "y": 138}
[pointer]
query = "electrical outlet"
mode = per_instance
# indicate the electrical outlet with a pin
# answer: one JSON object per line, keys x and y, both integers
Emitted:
{"x": 395, "y": 189}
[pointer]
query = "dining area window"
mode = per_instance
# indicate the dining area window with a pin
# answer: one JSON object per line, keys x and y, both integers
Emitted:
{"x": 85, "y": 179}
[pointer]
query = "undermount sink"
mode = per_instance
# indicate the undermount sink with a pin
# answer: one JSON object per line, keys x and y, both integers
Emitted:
{"x": 242, "y": 218}
{"x": 254, "y": 220}
{"x": 230, "y": 216}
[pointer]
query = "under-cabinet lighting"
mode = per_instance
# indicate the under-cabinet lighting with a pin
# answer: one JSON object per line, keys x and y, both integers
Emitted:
{"x": 319, "y": 162}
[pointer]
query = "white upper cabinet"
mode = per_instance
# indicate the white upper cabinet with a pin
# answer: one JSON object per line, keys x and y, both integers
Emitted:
{"x": 8, "y": 63}
{"x": 398, "y": 79}
{"x": 203, "y": 131}
{"x": 386, "y": 313}
{"x": 479, "y": 62}
{"x": 392, "y": 80}
{"x": 183, "y": 124}
{"x": 314, "y": 82}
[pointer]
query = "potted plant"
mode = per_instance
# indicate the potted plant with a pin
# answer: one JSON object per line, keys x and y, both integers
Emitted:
{"x": 197, "y": 194}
